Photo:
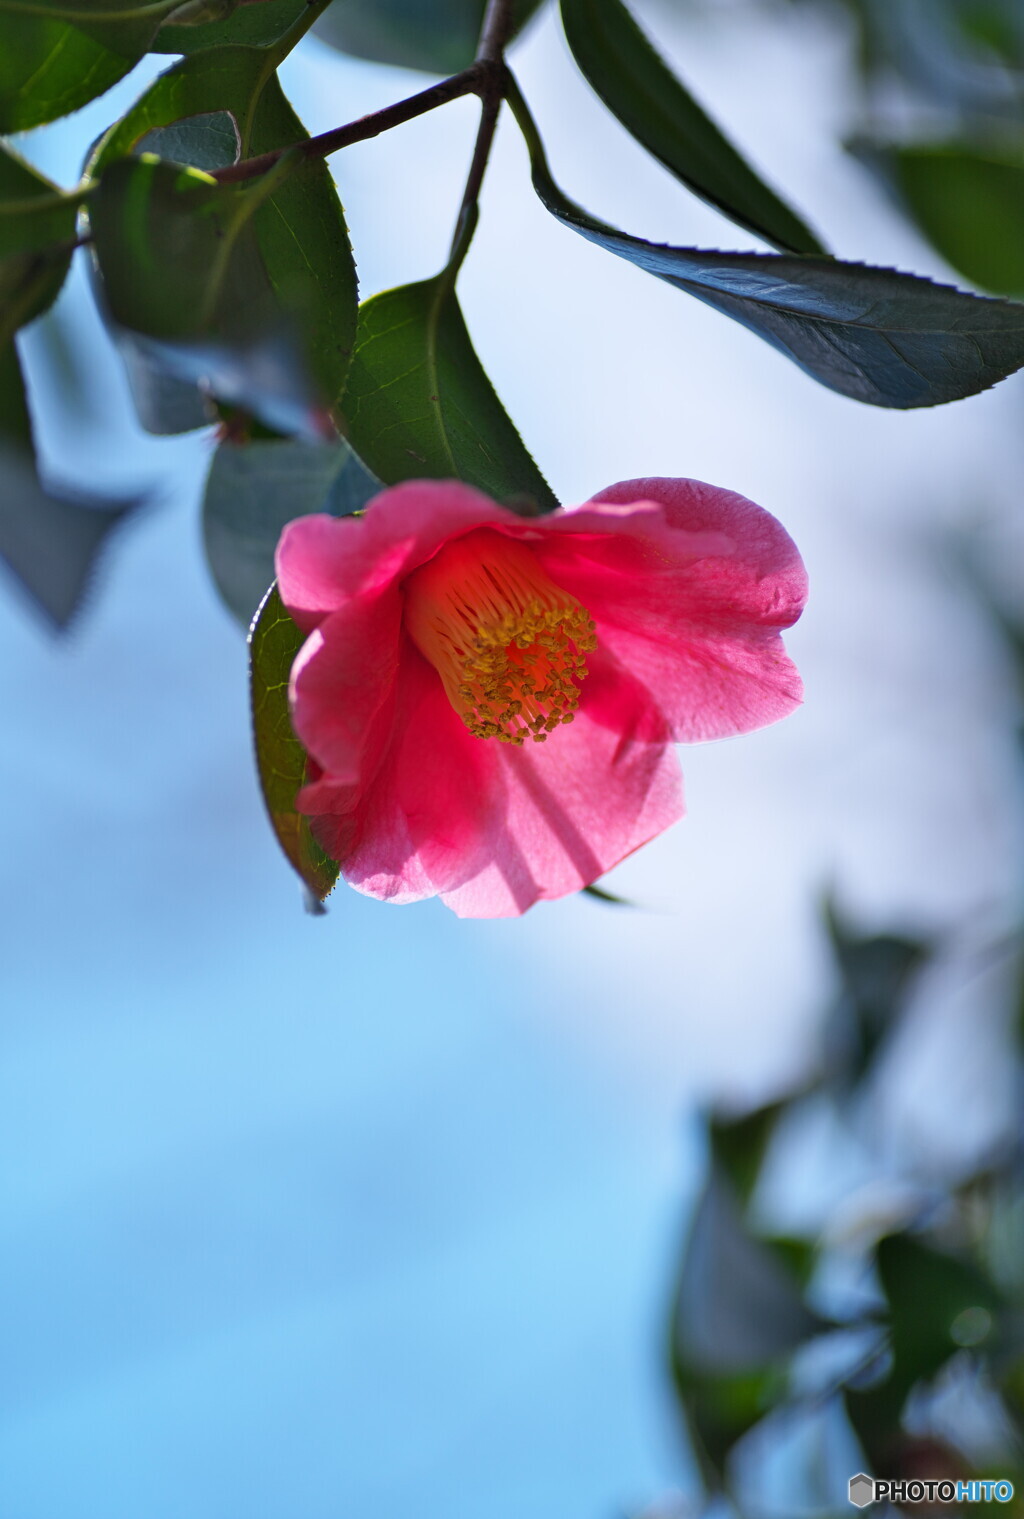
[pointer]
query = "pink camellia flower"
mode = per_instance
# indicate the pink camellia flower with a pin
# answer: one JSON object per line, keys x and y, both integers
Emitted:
{"x": 490, "y": 701}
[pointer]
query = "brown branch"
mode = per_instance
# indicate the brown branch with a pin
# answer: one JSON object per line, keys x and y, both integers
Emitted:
{"x": 474, "y": 80}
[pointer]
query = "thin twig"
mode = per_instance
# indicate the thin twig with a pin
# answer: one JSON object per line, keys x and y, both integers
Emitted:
{"x": 490, "y": 55}
{"x": 468, "y": 82}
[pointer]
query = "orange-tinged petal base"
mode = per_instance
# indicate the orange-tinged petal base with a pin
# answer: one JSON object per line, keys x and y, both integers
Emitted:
{"x": 507, "y": 642}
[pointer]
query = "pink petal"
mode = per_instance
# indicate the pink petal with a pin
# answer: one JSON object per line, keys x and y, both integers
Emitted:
{"x": 341, "y": 681}
{"x": 689, "y": 586}
{"x": 576, "y": 805}
{"x": 322, "y": 561}
{"x": 425, "y": 819}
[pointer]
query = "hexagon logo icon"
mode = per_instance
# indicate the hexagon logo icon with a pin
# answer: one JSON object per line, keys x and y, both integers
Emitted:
{"x": 862, "y": 1490}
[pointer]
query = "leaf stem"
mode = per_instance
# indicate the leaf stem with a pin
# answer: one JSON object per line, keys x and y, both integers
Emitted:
{"x": 490, "y": 56}
{"x": 468, "y": 82}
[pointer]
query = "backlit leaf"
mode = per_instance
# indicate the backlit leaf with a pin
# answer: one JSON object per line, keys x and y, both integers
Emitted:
{"x": 37, "y": 232}
{"x": 419, "y": 404}
{"x": 57, "y": 56}
{"x": 219, "y": 103}
{"x": 274, "y": 641}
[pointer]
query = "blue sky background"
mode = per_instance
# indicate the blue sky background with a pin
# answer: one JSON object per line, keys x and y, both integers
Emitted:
{"x": 376, "y": 1212}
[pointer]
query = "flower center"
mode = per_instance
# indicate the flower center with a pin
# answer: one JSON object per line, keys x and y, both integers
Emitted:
{"x": 507, "y": 642}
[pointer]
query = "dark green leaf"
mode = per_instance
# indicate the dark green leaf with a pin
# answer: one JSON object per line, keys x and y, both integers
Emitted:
{"x": 57, "y": 56}
{"x": 969, "y": 204}
{"x": 738, "y": 1145}
{"x": 439, "y": 38}
{"x": 636, "y": 85}
{"x": 608, "y": 897}
{"x": 274, "y": 641}
{"x": 50, "y": 542}
{"x": 300, "y": 237}
{"x": 930, "y": 1296}
{"x": 259, "y": 24}
{"x": 419, "y": 403}
{"x": 927, "y": 1292}
{"x": 877, "y": 335}
{"x": 37, "y": 232}
{"x": 876, "y": 972}
{"x": 252, "y": 491}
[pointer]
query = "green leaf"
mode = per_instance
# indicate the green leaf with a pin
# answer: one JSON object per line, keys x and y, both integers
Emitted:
{"x": 968, "y": 203}
{"x": 635, "y": 84}
{"x": 737, "y": 1313}
{"x": 274, "y": 641}
{"x": 876, "y": 973}
{"x": 259, "y": 24}
{"x": 930, "y": 1296}
{"x": 209, "y": 140}
{"x": 58, "y": 56}
{"x": 252, "y": 491}
{"x": 37, "y": 233}
{"x": 297, "y": 233}
{"x": 419, "y": 403}
{"x": 50, "y": 542}
{"x": 876, "y": 335}
{"x": 439, "y": 38}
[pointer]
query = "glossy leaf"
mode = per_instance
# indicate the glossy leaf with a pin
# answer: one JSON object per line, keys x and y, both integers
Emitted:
{"x": 50, "y": 542}
{"x": 259, "y": 24}
{"x": 252, "y": 491}
{"x": 969, "y": 205}
{"x": 300, "y": 234}
{"x": 37, "y": 232}
{"x": 274, "y": 641}
{"x": 876, "y": 335}
{"x": 56, "y": 56}
{"x": 439, "y": 38}
{"x": 419, "y": 403}
{"x": 636, "y": 85}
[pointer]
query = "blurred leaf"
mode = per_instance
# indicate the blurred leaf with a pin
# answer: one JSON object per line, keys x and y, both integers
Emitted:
{"x": 50, "y": 67}
{"x": 419, "y": 404}
{"x": 739, "y": 1145}
{"x": 255, "y": 25}
{"x": 50, "y": 542}
{"x": 969, "y": 204}
{"x": 252, "y": 491}
{"x": 635, "y": 84}
{"x": 877, "y": 335}
{"x": 738, "y": 1308}
{"x": 300, "y": 237}
{"x": 439, "y": 38}
{"x": 738, "y": 1312}
{"x": 876, "y": 973}
{"x": 37, "y": 233}
{"x": 283, "y": 765}
{"x": 927, "y": 1292}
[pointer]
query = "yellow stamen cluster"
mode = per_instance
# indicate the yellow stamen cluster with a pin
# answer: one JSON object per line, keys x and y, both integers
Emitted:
{"x": 507, "y": 642}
